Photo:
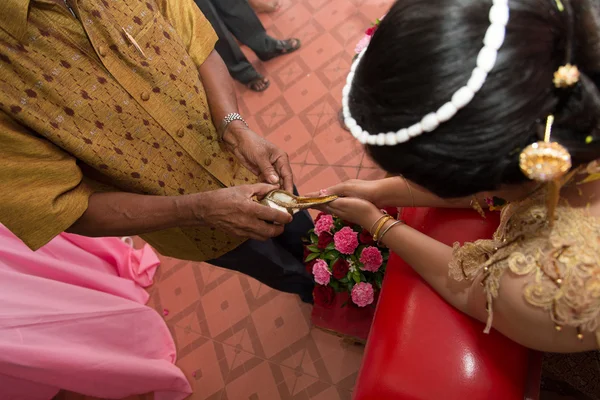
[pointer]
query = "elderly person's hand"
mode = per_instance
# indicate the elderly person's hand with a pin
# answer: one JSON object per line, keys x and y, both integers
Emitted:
{"x": 260, "y": 156}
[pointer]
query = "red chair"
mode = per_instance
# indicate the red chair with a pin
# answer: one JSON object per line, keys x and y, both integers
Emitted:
{"x": 421, "y": 348}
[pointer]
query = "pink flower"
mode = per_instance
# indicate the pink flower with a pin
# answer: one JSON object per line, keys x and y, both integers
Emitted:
{"x": 321, "y": 272}
{"x": 363, "y": 294}
{"x": 346, "y": 240}
{"x": 324, "y": 224}
{"x": 364, "y": 42}
{"x": 371, "y": 258}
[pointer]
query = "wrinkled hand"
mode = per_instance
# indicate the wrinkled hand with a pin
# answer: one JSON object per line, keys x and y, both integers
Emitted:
{"x": 354, "y": 210}
{"x": 260, "y": 156}
{"x": 233, "y": 211}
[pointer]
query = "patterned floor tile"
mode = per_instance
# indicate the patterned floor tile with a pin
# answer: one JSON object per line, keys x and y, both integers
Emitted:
{"x": 313, "y": 178}
{"x": 371, "y": 174}
{"x": 294, "y": 138}
{"x": 334, "y": 13}
{"x": 292, "y": 19}
{"x": 334, "y": 146}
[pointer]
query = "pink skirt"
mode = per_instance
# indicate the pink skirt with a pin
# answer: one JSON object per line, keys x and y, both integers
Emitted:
{"x": 72, "y": 317}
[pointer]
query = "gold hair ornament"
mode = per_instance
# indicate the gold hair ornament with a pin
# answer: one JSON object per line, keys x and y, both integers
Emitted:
{"x": 566, "y": 76}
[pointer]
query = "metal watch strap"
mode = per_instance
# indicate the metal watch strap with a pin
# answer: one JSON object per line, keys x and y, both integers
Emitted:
{"x": 229, "y": 118}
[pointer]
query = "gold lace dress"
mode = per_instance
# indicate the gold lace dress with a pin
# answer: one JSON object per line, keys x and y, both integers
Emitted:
{"x": 562, "y": 262}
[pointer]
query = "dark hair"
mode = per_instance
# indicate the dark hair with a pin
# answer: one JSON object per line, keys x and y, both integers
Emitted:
{"x": 425, "y": 50}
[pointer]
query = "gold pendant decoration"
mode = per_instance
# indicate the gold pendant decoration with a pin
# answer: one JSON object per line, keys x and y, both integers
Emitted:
{"x": 287, "y": 202}
{"x": 545, "y": 161}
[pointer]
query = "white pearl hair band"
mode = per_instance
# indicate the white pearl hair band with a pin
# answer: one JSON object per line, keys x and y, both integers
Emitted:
{"x": 486, "y": 60}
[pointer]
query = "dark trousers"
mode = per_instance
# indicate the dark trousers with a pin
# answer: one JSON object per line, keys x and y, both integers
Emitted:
{"x": 233, "y": 19}
{"x": 278, "y": 262}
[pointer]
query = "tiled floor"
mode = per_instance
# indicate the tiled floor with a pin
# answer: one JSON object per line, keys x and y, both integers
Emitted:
{"x": 238, "y": 339}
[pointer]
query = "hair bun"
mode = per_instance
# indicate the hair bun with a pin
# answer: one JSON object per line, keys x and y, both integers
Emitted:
{"x": 587, "y": 32}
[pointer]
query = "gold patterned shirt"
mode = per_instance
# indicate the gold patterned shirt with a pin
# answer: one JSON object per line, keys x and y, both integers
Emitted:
{"x": 112, "y": 96}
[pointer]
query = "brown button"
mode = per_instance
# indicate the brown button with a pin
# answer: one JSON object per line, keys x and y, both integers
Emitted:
{"x": 145, "y": 96}
{"x": 102, "y": 51}
{"x": 180, "y": 133}
{"x": 207, "y": 162}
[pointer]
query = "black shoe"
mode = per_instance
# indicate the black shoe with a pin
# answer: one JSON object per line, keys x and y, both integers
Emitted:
{"x": 283, "y": 47}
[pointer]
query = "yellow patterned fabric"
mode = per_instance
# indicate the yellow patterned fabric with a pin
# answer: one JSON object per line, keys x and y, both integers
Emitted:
{"x": 81, "y": 104}
{"x": 562, "y": 263}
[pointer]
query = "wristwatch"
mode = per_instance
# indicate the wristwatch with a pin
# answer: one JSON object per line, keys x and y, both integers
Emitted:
{"x": 229, "y": 118}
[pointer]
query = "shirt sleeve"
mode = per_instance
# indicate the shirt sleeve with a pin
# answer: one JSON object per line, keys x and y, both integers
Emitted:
{"x": 192, "y": 26}
{"x": 42, "y": 193}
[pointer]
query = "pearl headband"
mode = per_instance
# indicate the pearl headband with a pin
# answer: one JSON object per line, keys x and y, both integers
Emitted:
{"x": 486, "y": 60}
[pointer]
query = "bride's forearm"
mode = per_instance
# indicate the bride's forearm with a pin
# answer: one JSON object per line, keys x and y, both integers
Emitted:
{"x": 397, "y": 191}
{"x": 430, "y": 259}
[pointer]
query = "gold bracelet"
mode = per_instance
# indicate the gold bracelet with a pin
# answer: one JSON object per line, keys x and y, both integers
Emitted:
{"x": 381, "y": 224}
{"x": 375, "y": 224}
{"x": 387, "y": 230}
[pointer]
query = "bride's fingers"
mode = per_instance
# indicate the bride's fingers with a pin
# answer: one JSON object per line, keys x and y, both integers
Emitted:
{"x": 321, "y": 208}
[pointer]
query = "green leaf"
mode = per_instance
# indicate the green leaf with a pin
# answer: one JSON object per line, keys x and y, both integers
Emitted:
{"x": 311, "y": 257}
{"x": 335, "y": 285}
{"x": 330, "y": 246}
{"x": 332, "y": 255}
{"x": 379, "y": 280}
{"x": 362, "y": 277}
{"x": 344, "y": 280}
{"x": 314, "y": 238}
{"x": 314, "y": 248}
{"x": 356, "y": 277}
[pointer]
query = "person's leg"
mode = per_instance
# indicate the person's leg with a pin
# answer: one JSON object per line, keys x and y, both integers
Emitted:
{"x": 265, "y": 6}
{"x": 292, "y": 237}
{"x": 277, "y": 263}
{"x": 238, "y": 65}
{"x": 244, "y": 24}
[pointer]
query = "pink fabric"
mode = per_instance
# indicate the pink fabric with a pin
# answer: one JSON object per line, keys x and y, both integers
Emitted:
{"x": 72, "y": 316}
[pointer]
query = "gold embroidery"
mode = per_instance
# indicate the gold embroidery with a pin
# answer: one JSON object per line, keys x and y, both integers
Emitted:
{"x": 562, "y": 263}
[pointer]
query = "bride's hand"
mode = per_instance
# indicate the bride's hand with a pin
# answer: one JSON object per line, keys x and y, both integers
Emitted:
{"x": 366, "y": 190}
{"x": 358, "y": 211}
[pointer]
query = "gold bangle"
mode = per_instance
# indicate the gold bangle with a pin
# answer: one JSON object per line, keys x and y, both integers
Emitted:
{"x": 375, "y": 223}
{"x": 381, "y": 224}
{"x": 387, "y": 229}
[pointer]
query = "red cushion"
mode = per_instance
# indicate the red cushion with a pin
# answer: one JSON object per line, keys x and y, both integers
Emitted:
{"x": 421, "y": 348}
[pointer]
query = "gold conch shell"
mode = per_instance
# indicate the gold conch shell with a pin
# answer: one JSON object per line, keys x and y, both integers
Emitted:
{"x": 287, "y": 202}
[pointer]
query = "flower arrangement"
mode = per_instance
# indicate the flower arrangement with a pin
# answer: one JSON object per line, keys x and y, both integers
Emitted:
{"x": 364, "y": 42}
{"x": 343, "y": 257}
